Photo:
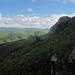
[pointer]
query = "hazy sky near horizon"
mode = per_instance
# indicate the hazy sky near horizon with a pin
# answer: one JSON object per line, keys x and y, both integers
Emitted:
{"x": 34, "y": 13}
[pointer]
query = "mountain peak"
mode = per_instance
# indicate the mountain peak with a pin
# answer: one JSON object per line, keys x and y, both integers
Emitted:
{"x": 63, "y": 18}
{"x": 60, "y": 25}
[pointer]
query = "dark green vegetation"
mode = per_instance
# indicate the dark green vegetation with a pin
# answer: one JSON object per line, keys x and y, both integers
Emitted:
{"x": 15, "y": 34}
{"x": 22, "y": 58}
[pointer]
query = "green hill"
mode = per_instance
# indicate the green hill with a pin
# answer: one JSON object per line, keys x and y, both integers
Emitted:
{"x": 14, "y": 34}
{"x": 20, "y": 58}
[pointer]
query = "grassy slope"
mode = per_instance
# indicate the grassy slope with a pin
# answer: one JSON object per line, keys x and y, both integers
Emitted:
{"x": 6, "y": 37}
{"x": 33, "y": 60}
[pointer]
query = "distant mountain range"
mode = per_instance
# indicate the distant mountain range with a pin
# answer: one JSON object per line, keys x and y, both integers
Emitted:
{"x": 6, "y": 29}
{"x": 15, "y": 34}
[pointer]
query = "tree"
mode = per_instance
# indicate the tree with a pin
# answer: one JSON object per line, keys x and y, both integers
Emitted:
{"x": 37, "y": 39}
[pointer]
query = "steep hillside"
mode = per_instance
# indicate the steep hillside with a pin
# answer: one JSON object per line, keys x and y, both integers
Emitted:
{"x": 36, "y": 59}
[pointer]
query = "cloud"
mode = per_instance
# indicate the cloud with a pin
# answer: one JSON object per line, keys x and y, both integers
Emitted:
{"x": 22, "y": 21}
{"x": 64, "y": 1}
{"x": 73, "y": 1}
{"x": 30, "y": 10}
{"x": 33, "y": 0}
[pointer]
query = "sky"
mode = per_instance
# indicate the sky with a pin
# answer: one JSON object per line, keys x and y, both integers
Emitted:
{"x": 34, "y": 13}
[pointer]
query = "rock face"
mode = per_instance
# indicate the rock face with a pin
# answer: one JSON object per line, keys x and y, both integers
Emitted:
{"x": 60, "y": 24}
{"x": 54, "y": 58}
{"x": 73, "y": 53}
{"x": 62, "y": 19}
{"x": 72, "y": 56}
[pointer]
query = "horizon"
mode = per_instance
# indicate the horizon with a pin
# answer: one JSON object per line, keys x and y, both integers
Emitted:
{"x": 24, "y": 28}
{"x": 34, "y": 13}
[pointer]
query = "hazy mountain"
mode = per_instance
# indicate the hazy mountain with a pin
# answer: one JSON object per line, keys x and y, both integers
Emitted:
{"x": 5, "y": 29}
{"x": 14, "y": 34}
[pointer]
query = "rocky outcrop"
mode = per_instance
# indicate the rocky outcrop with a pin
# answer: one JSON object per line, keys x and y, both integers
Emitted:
{"x": 62, "y": 22}
{"x": 72, "y": 56}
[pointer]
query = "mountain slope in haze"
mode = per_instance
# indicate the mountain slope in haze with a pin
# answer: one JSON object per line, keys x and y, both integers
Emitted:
{"x": 35, "y": 59}
{"x": 14, "y": 34}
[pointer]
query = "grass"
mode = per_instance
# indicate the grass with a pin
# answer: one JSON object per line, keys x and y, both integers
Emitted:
{"x": 6, "y": 37}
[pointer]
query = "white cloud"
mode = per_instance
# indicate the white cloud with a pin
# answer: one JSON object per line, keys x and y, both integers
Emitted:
{"x": 21, "y": 21}
{"x": 33, "y": 0}
{"x": 30, "y": 10}
{"x": 64, "y": 1}
{"x": 73, "y": 1}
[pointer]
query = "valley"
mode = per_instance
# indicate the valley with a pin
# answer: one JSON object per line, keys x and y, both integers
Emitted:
{"x": 14, "y": 34}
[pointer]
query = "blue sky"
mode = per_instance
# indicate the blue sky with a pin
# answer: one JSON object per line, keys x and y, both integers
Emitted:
{"x": 39, "y": 7}
{"x": 34, "y": 11}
